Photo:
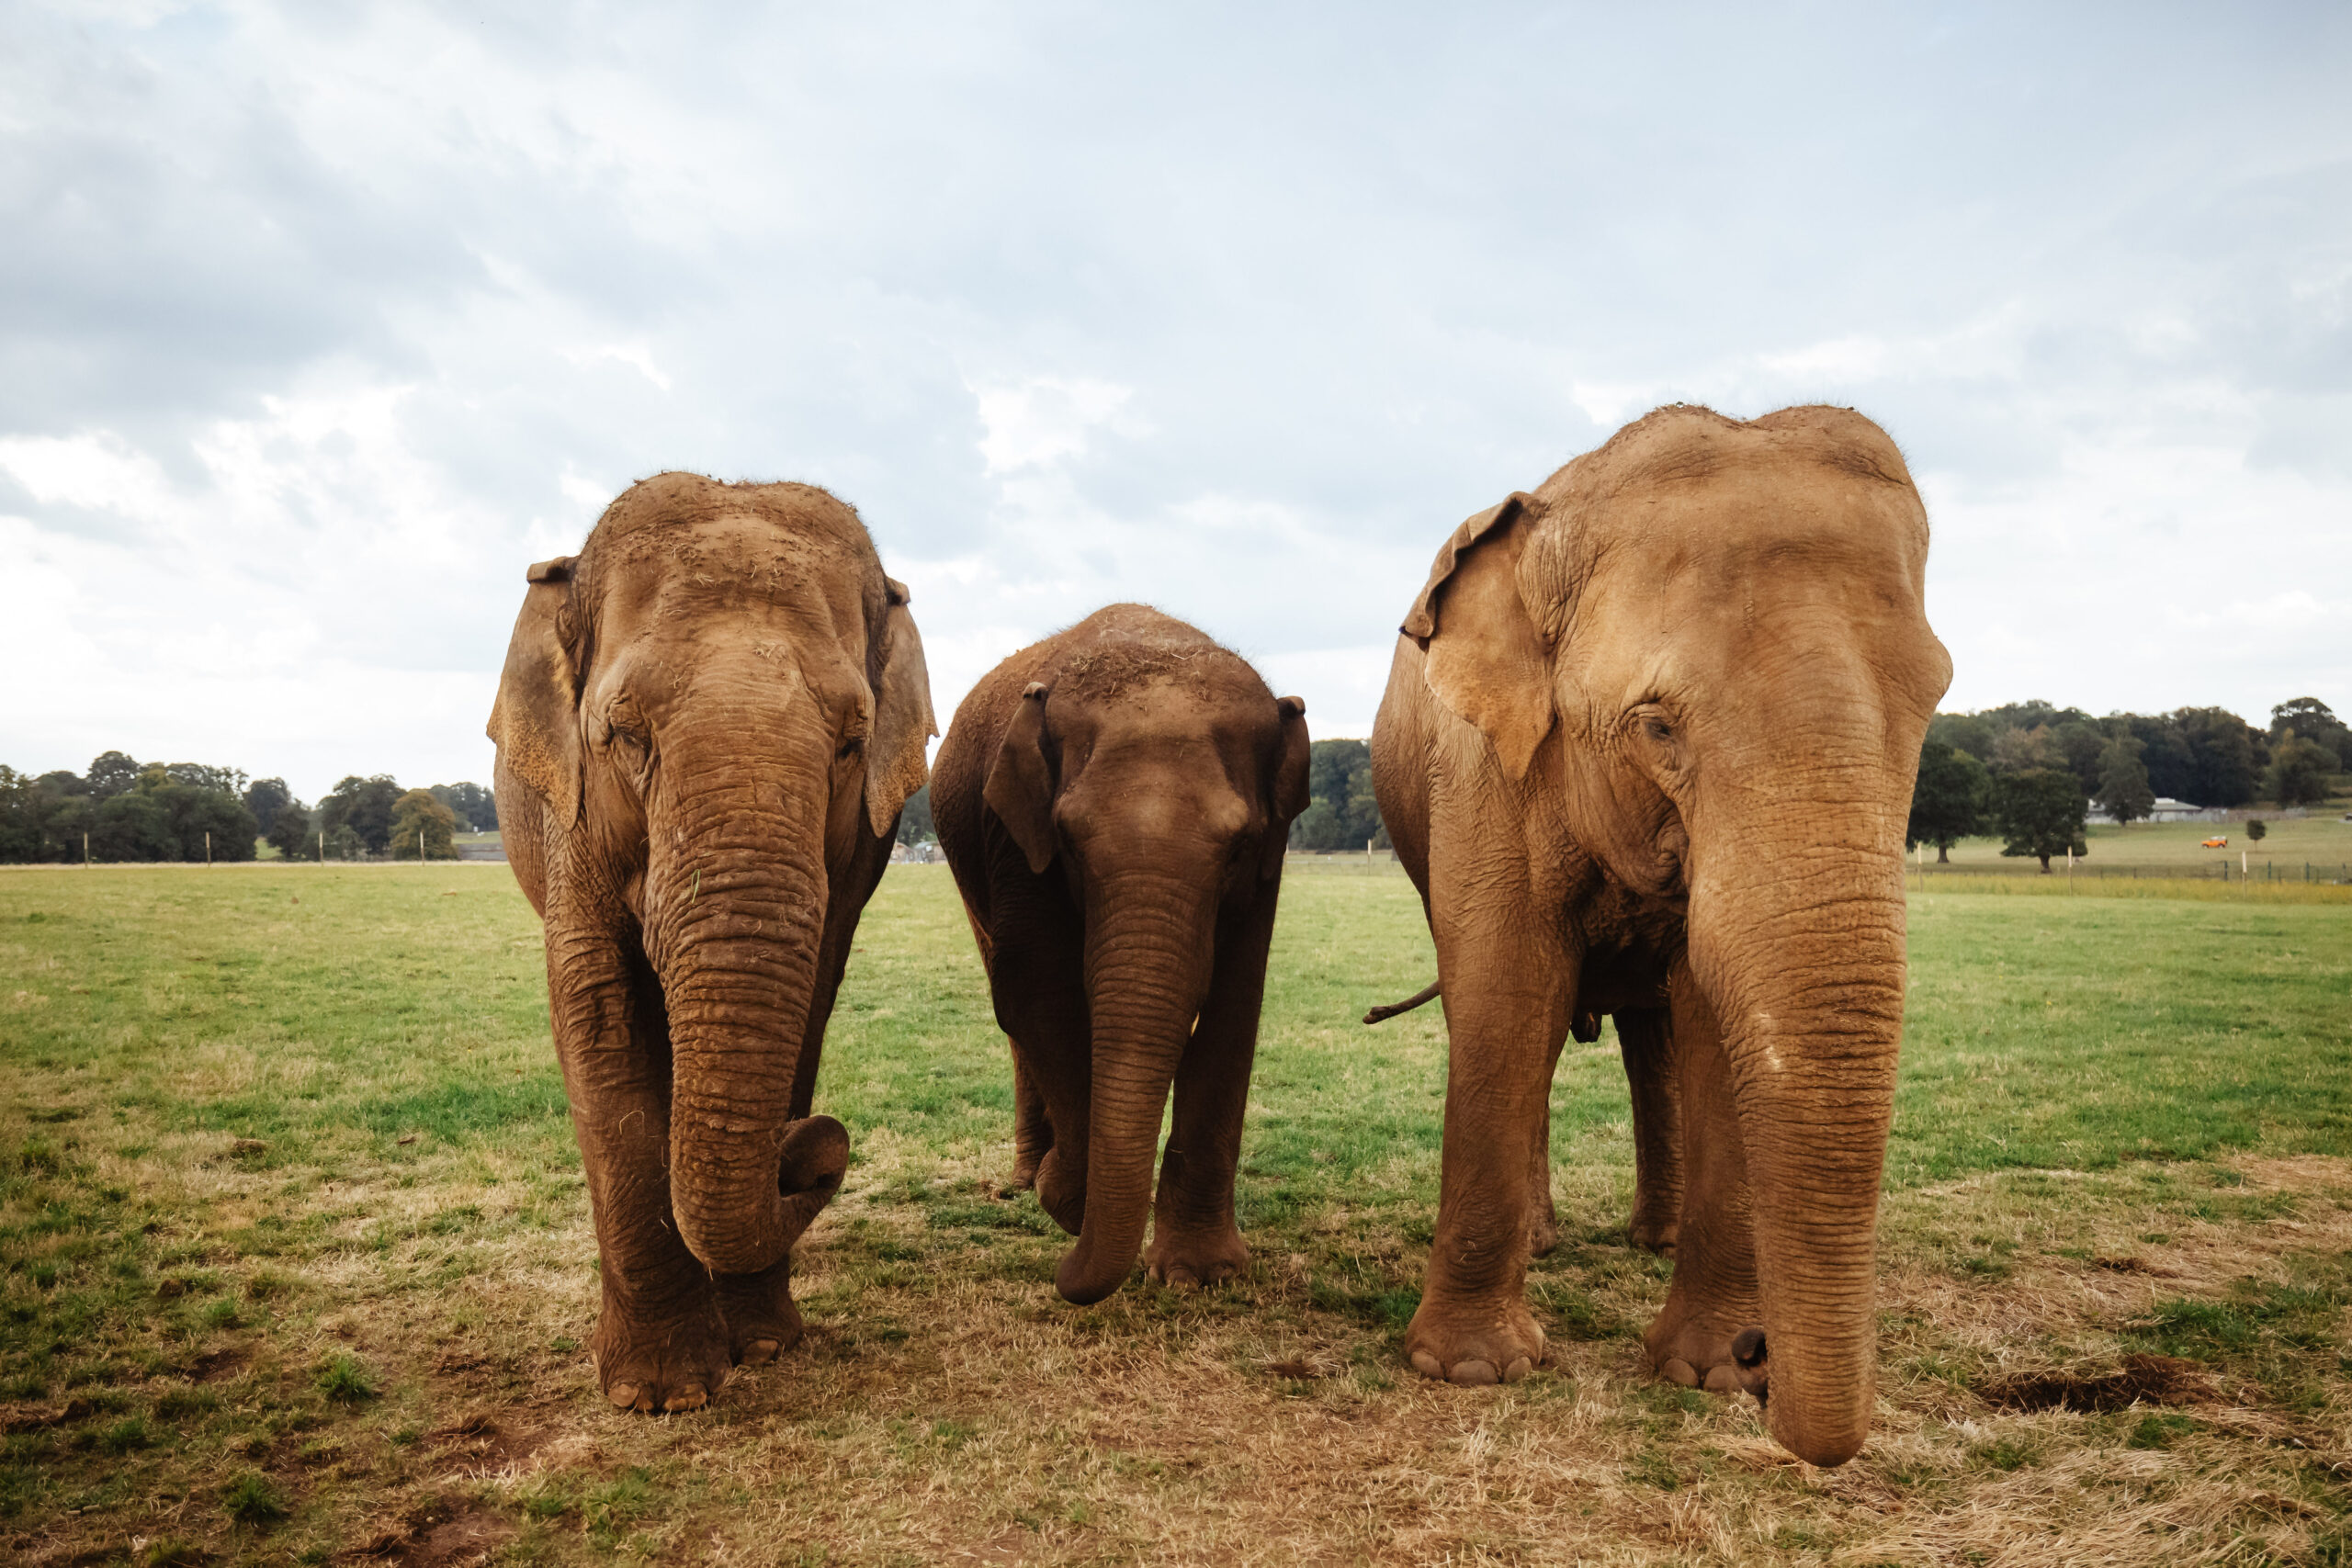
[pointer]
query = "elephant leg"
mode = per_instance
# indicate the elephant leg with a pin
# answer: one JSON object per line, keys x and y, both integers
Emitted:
{"x": 1714, "y": 1297}
{"x": 1646, "y": 1040}
{"x": 659, "y": 1342}
{"x": 1509, "y": 994}
{"x": 1194, "y": 1238}
{"x": 1033, "y": 1129}
{"x": 1036, "y": 974}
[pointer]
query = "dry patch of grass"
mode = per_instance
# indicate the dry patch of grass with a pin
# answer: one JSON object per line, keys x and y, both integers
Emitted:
{"x": 308, "y": 1281}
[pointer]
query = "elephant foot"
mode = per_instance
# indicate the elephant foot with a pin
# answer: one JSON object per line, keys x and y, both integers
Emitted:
{"x": 660, "y": 1359}
{"x": 1188, "y": 1260}
{"x": 1024, "y": 1178}
{"x": 1653, "y": 1235}
{"x": 1722, "y": 1352}
{"x": 1472, "y": 1344}
{"x": 762, "y": 1321}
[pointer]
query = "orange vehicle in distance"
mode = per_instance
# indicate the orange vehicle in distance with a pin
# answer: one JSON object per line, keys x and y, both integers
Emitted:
{"x": 2214, "y": 844}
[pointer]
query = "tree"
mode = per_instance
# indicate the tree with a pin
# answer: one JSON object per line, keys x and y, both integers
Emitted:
{"x": 112, "y": 773}
{"x": 289, "y": 832}
{"x": 2164, "y": 752}
{"x": 1339, "y": 779}
{"x": 2298, "y": 772}
{"x": 2257, "y": 829}
{"x": 2040, "y": 812}
{"x": 265, "y": 798}
{"x": 1963, "y": 732}
{"x": 914, "y": 819}
{"x": 364, "y": 806}
{"x": 476, "y": 808}
{"x": 2123, "y": 792}
{"x": 422, "y": 826}
{"x": 2314, "y": 721}
{"x": 2017, "y": 751}
{"x": 1948, "y": 803}
{"x": 2221, "y": 748}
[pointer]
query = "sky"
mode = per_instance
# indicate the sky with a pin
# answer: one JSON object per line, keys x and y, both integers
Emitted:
{"x": 318, "y": 323}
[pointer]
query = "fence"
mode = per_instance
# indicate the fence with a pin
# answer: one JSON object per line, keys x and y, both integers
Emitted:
{"x": 2215, "y": 871}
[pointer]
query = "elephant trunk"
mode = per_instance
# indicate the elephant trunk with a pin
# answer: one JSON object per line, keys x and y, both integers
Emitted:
{"x": 1800, "y": 956}
{"x": 734, "y": 910}
{"x": 1148, "y": 964}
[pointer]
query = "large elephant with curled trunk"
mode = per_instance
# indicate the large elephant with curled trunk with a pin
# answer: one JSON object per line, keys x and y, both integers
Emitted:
{"x": 1648, "y": 751}
{"x": 1114, "y": 803}
{"x": 707, "y": 724}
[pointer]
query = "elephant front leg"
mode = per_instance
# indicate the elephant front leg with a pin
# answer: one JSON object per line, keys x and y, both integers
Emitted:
{"x": 1708, "y": 1334}
{"x": 1033, "y": 1129}
{"x": 1474, "y": 1326}
{"x": 658, "y": 1344}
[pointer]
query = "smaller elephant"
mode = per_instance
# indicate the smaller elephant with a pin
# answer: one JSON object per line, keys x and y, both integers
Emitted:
{"x": 1114, "y": 802}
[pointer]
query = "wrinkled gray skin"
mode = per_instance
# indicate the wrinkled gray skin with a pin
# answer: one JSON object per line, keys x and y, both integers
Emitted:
{"x": 709, "y": 721}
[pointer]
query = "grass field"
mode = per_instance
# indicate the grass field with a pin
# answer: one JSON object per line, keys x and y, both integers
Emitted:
{"x": 294, "y": 1264}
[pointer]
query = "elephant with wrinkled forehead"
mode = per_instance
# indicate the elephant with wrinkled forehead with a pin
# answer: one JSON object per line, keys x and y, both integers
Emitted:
{"x": 1648, "y": 751}
{"x": 708, "y": 722}
{"x": 1114, "y": 802}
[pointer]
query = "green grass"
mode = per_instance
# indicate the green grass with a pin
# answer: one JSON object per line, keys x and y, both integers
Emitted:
{"x": 294, "y": 1259}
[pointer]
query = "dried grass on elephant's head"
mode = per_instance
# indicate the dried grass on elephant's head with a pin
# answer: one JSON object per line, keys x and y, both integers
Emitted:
{"x": 1111, "y": 671}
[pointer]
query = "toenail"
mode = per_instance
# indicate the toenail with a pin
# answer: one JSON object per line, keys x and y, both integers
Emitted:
{"x": 1723, "y": 1379}
{"x": 622, "y": 1393}
{"x": 1518, "y": 1370}
{"x": 1427, "y": 1365}
{"x": 1677, "y": 1370}
{"x": 759, "y": 1352}
{"x": 1475, "y": 1373}
{"x": 692, "y": 1399}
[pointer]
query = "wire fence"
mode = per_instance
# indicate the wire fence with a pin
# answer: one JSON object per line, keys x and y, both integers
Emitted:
{"x": 2333, "y": 872}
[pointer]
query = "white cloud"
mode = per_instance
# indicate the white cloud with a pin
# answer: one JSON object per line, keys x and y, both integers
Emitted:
{"x": 1029, "y": 424}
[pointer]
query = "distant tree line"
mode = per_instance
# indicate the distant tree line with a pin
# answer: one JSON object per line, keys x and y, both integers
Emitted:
{"x": 1342, "y": 813}
{"x": 123, "y": 809}
{"x": 2030, "y": 773}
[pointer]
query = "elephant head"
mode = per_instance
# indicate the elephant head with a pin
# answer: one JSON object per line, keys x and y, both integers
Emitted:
{"x": 1702, "y": 652}
{"x": 714, "y": 705}
{"x": 1160, "y": 775}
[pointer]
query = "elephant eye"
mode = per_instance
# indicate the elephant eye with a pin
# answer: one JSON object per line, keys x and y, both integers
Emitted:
{"x": 849, "y": 748}
{"x": 1657, "y": 728}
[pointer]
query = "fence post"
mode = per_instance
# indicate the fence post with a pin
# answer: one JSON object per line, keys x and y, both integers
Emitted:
{"x": 208, "y": 846}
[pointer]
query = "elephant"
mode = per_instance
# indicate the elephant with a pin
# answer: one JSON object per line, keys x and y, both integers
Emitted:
{"x": 709, "y": 721}
{"x": 1114, "y": 803}
{"x": 1647, "y": 749}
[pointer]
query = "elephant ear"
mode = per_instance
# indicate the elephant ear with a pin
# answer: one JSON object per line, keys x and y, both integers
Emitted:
{"x": 1485, "y": 660}
{"x": 1291, "y": 781}
{"x": 535, "y": 723}
{"x": 903, "y": 724}
{"x": 1021, "y": 786}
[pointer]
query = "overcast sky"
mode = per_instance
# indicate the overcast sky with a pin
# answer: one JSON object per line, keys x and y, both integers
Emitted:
{"x": 317, "y": 324}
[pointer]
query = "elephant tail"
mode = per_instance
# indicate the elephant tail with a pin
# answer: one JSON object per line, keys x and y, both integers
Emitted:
{"x": 1381, "y": 1014}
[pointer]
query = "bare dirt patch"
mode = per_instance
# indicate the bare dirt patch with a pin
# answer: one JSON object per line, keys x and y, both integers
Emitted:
{"x": 441, "y": 1534}
{"x": 2142, "y": 1379}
